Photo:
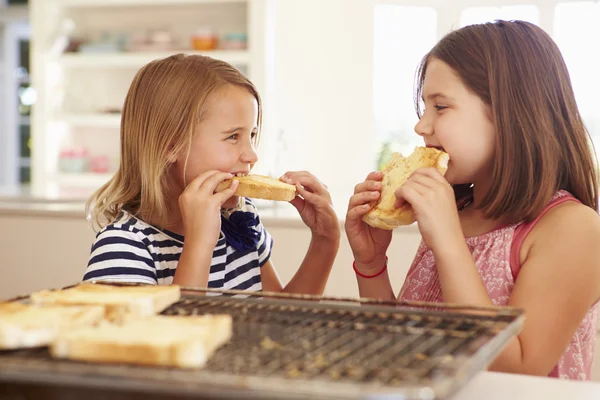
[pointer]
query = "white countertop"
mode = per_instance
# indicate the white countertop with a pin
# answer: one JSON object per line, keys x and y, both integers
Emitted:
{"x": 499, "y": 386}
{"x": 23, "y": 201}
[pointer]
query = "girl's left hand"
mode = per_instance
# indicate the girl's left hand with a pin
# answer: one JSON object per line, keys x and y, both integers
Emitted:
{"x": 432, "y": 200}
{"x": 313, "y": 202}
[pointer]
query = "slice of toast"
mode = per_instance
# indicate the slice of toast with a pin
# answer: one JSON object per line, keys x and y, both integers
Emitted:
{"x": 260, "y": 187}
{"x": 117, "y": 300}
{"x": 384, "y": 215}
{"x": 26, "y": 325}
{"x": 173, "y": 341}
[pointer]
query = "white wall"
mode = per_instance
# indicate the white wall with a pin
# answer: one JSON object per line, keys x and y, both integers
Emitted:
{"x": 323, "y": 91}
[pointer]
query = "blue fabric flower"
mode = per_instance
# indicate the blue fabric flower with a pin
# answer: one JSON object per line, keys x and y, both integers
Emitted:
{"x": 240, "y": 230}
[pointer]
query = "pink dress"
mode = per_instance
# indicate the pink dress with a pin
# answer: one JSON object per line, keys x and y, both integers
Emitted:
{"x": 496, "y": 255}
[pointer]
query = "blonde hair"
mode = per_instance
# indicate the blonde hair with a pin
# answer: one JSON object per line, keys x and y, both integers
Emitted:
{"x": 164, "y": 103}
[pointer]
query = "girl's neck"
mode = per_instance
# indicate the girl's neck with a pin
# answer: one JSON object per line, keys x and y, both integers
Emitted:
{"x": 479, "y": 191}
{"x": 173, "y": 221}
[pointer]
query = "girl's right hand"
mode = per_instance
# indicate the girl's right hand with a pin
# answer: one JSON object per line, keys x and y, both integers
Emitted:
{"x": 200, "y": 206}
{"x": 368, "y": 244}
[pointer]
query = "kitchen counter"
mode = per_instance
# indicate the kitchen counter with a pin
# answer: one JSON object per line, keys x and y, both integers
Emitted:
{"x": 485, "y": 385}
{"x": 499, "y": 386}
{"x": 21, "y": 201}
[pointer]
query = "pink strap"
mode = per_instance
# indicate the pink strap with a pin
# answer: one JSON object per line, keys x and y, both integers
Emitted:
{"x": 523, "y": 230}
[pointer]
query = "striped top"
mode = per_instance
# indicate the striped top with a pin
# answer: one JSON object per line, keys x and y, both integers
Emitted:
{"x": 131, "y": 250}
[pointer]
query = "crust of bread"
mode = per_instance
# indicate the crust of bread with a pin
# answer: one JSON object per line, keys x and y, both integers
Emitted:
{"x": 26, "y": 325}
{"x": 260, "y": 187}
{"x": 174, "y": 341}
{"x": 116, "y": 300}
{"x": 384, "y": 215}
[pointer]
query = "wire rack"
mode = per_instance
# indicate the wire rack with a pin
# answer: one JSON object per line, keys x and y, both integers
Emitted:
{"x": 298, "y": 346}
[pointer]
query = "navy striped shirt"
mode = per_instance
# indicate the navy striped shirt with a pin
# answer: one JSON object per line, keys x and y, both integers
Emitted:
{"x": 130, "y": 250}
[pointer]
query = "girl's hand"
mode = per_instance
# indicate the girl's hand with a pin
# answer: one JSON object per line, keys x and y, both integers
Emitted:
{"x": 200, "y": 206}
{"x": 432, "y": 200}
{"x": 368, "y": 244}
{"x": 313, "y": 202}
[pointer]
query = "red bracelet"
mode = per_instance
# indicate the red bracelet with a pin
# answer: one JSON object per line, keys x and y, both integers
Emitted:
{"x": 370, "y": 276}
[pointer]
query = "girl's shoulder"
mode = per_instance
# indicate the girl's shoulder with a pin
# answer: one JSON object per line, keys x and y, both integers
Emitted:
{"x": 565, "y": 217}
{"x": 133, "y": 228}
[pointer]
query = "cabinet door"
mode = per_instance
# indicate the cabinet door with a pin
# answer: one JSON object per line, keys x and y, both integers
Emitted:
{"x": 322, "y": 90}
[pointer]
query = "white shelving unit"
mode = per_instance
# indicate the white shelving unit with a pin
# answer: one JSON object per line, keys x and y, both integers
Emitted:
{"x": 84, "y": 180}
{"x": 123, "y": 3}
{"x": 80, "y": 94}
{"x": 137, "y": 60}
{"x": 97, "y": 120}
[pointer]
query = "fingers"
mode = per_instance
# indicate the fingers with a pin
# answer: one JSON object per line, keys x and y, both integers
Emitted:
{"x": 431, "y": 173}
{"x": 226, "y": 194}
{"x": 363, "y": 198}
{"x": 422, "y": 182}
{"x": 216, "y": 176}
{"x": 375, "y": 176}
{"x": 407, "y": 194}
{"x": 311, "y": 197}
{"x": 210, "y": 183}
{"x": 369, "y": 185}
{"x": 307, "y": 180}
{"x": 357, "y": 212}
{"x": 411, "y": 190}
{"x": 298, "y": 203}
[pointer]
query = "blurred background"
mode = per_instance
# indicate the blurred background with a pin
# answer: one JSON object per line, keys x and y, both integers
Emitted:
{"x": 336, "y": 76}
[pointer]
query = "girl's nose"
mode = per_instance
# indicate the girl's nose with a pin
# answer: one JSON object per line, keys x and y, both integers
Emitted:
{"x": 249, "y": 155}
{"x": 423, "y": 127}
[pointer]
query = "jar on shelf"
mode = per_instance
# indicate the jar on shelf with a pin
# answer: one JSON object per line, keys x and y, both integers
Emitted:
{"x": 204, "y": 39}
{"x": 100, "y": 164}
{"x": 234, "y": 41}
{"x": 73, "y": 160}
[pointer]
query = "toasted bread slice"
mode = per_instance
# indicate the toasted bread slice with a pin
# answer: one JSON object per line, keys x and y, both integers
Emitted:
{"x": 260, "y": 187}
{"x": 175, "y": 341}
{"x": 117, "y": 300}
{"x": 26, "y": 325}
{"x": 384, "y": 215}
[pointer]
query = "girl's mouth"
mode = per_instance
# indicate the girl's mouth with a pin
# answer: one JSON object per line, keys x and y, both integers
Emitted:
{"x": 440, "y": 148}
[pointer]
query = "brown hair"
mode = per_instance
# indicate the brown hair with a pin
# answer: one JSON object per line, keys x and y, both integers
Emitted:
{"x": 163, "y": 105}
{"x": 542, "y": 145}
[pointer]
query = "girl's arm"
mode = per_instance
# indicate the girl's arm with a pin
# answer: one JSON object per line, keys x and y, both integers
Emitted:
{"x": 557, "y": 284}
{"x": 368, "y": 244}
{"x": 193, "y": 268}
{"x": 313, "y": 203}
{"x": 200, "y": 211}
{"x": 312, "y": 275}
{"x": 377, "y": 287}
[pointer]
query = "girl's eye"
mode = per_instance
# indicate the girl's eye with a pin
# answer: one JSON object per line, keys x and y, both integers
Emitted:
{"x": 439, "y": 108}
{"x": 233, "y": 137}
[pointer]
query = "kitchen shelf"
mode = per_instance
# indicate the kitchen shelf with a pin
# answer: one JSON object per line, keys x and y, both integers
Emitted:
{"x": 129, "y": 3}
{"x": 74, "y": 88}
{"x": 89, "y": 179}
{"x": 138, "y": 59}
{"x": 96, "y": 120}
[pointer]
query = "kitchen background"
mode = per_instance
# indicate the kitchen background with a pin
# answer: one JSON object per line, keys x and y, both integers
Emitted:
{"x": 336, "y": 78}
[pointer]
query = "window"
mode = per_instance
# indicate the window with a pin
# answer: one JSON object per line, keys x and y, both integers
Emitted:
{"x": 402, "y": 36}
{"x": 477, "y": 15}
{"x": 575, "y": 24}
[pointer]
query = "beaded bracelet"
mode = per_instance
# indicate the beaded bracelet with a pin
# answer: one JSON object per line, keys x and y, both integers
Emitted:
{"x": 370, "y": 276}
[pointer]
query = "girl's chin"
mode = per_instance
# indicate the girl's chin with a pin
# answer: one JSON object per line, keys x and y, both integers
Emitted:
{"x": 231, "y": 202}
